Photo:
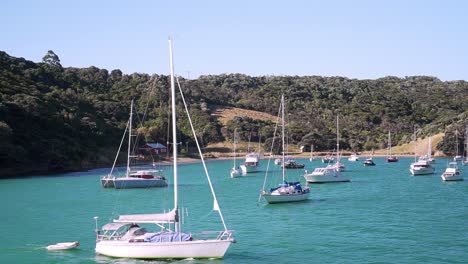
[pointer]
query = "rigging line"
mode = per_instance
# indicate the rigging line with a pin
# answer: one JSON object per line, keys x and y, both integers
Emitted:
{"x": 118, "y": 151}
{"x": 271, "y": 153}
{"x": 143, "y": 118}
{"x": 145, "y": 112}
{"x": 201, "y": 156}
{"x": 136, "y": 135}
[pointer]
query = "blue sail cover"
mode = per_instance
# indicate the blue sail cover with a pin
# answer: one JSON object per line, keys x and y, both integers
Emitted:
{"x": 168, "y": 237}
{"x": 297, "y": 186}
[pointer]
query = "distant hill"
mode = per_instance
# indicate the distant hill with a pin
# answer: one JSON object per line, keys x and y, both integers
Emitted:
{"x": 55, "y": 119}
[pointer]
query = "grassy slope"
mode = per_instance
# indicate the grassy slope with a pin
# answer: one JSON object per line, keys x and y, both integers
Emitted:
{"x": 224, "y": 114}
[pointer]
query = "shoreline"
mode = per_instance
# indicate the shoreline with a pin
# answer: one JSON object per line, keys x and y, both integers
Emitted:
{"x": 187, "y": 160}
{"x": 265, "y": 157}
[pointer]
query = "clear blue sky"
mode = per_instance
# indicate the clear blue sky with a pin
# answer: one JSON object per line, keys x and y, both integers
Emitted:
{"x": 355, "y": 38}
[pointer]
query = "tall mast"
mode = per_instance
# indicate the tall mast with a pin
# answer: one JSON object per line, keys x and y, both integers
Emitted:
{"x": 389, "y": 145}
{"x": 466, "y": 144}
{"x": 429, "y": 148}
{"x": 129, "y": 138}
{"x": 414, "y": 147}
{"x": 235, "y": 130}
{"x": 248, "y": 146}
{"x": 282, "y": 130}
{"x": 174, "y": 136}
{"x": 337, "y": 140}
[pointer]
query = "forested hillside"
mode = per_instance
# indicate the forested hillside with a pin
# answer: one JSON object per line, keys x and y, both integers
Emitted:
{"x": 54, "y": 118}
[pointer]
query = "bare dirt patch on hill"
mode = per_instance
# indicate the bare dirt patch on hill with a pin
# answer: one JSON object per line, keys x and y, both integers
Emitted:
{"x": 224, "y": 114}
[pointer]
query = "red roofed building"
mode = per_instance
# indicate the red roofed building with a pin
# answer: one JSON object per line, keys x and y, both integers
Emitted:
{"x": 154, "y": 148}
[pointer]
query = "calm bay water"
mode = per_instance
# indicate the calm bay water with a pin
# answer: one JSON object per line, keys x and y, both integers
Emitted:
{"x": 383, "y": 216}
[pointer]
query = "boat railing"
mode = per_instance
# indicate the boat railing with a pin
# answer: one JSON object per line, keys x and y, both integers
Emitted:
{"x": 109, "y": 236}
{"x": 220, "y": 235}
{"x": 145, "y": 168}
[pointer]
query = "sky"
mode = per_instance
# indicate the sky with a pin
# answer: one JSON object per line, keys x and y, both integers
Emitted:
{"x": 355, "y": 39}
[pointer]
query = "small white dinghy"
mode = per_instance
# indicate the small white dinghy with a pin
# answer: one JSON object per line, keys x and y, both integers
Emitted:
{"x": 63, "y": 246}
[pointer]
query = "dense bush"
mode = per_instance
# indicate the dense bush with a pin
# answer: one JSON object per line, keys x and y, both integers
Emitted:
{"x": 54, "y": 118}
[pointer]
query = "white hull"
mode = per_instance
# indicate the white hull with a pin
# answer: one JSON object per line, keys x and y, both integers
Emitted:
{"x": 458, "y": 177}
{"x": 249, "y": 169}
{"x": 325, "y": 178}
{"x": 131, "y": 182}
{"x": 452, "y": 173}
{"x": 285, "y": 198}
{"x": 421, "y": 168}
{"x": 164, "y": 250}
{"x": 63, "y": 246}
{"x": 327, "y": 174}
{"x": 416, "y": 172}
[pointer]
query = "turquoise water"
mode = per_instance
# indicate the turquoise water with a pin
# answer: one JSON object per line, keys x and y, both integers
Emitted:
{"x": 383, "y": 216}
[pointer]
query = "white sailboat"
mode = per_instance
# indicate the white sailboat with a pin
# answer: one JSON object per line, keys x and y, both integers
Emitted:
{"x": 134, "y": 178}
{"x": 286, "y": 191}
{"x": 428, "y": 157}
{"x": 390, "y": 158}
{"x": 328, "y": 159}
{"x": 332, "y": 172}
{"x": 420, "y": 167}
{"x": 457, "y": 157}
{"x": 126, "y": 239}
{"x": 252, "y": 162}
{"x": 311, "y": 153}
{"x": 353, "y": 157}
{"x": 338, "y": 165}
{"x": 235, "y": 170}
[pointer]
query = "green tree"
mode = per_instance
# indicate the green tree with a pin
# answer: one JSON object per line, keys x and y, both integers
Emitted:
{"x": 52, "y": 59}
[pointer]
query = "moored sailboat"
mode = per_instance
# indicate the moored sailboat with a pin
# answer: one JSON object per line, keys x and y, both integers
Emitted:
{"x": 369, "y": 161}
{"x": 126, "y": 239}
{"x": 311, "y": 158}
{"x": 235, "y": 170}
{"x": 134, "y": 178}
{"x": 428, "y": 157}
{"x": 291, "y": 163}
{"x": 338, "y": 165}
{"x": 328, "y": 159}
{"x": 285, "y": 191}
{"x": 390, "y": 158}
{"x": 457, "y": 157}
{"x": 353, "y": 157}
{"x": 420, "y": 167}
